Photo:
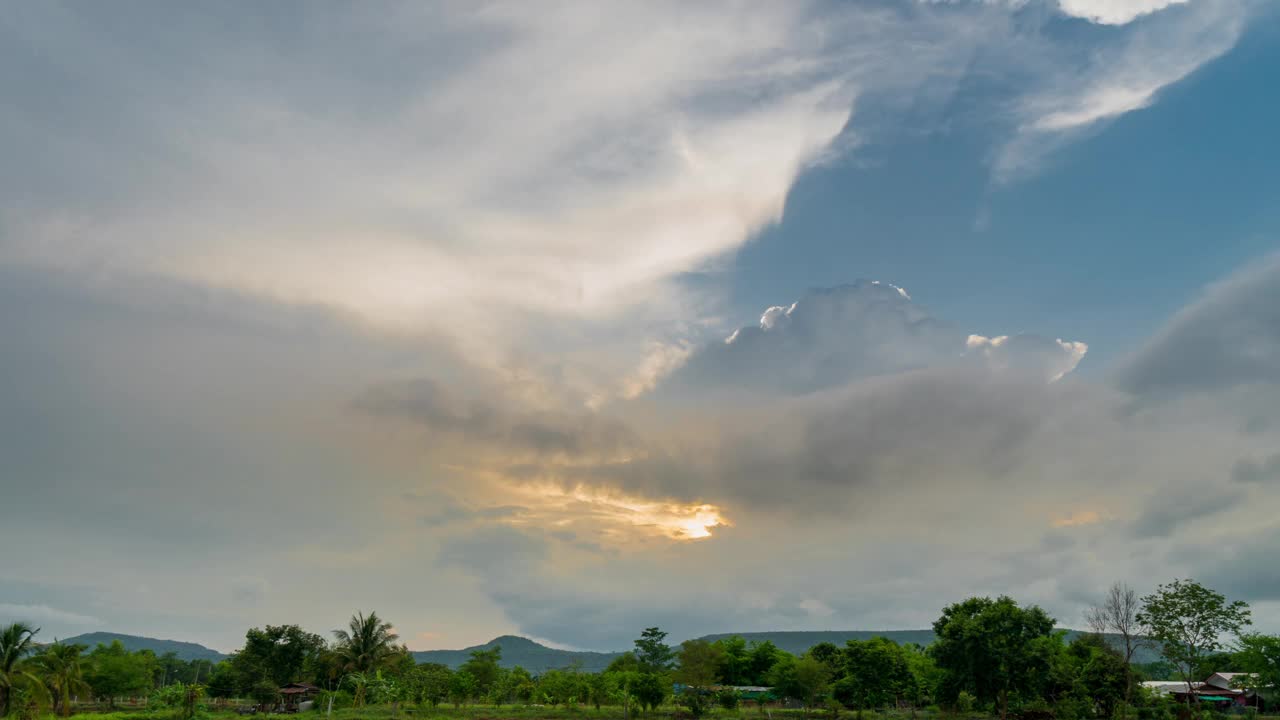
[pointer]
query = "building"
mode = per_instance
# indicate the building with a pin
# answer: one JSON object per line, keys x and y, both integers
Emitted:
{"x": 298, "y": 696}
{"x": 1223, "y": 690}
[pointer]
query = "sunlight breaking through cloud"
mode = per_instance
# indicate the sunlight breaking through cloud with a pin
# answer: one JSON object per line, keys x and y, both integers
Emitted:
{"x": 616, "y": 515}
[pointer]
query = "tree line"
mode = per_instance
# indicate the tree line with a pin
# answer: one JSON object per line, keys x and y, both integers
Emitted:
{"x": 991, "y": 655}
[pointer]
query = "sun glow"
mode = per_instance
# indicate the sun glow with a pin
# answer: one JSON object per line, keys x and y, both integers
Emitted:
{"x": 612, "y": 512}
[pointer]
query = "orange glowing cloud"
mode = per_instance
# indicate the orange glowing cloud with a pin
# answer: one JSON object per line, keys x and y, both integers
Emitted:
{"x": 1079, "y": 518}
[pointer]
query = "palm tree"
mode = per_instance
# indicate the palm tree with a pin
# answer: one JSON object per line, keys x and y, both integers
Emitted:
{"x": 367, "y": 644}
{"x": 16, "y": 642}
{"x": 63, "y": 673}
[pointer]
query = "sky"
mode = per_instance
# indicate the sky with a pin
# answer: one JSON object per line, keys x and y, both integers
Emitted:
{"x": 565, "y": 319}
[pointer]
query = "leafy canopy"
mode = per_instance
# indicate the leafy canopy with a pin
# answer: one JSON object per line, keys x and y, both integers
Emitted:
{"x": 1189, "y": 620}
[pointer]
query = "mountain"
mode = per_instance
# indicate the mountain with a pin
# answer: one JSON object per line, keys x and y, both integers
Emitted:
{"x": 537, "y": 658}
{"x": 524, "y": 652}
{"x": 184, "y": 650}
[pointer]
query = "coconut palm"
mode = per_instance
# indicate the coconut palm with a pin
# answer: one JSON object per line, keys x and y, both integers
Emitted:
{"x": 16, "y": 643}
{"x": 367, "y": 644}
{"x": 63, "y": 672}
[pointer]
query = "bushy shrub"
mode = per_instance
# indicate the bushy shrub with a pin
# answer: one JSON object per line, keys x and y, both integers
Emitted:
{"x": 184, "y": 702}
{"x": 695, "y": 701}
{"x": 1037, "y": 710}
{"x": 728, "y": 699}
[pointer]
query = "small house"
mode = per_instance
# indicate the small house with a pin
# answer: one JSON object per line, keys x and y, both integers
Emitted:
{"x": 298, "y": 696}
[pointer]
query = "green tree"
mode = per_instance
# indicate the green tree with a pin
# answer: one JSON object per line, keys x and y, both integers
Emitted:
{"x": 17, "y": 641}
{"x": 597, "y": 689}
{"x": 622, "y": 684}
{"x": 432, "y": 683}
{"x": 359, "y": 683}
{"x": 699, "y": 663}
{"x": 280, "y": 654}
{"x": 993, "y": 649}
{"x": 484, "y": 668}
{"x": 652, "y": 652}
{"x": 114, "y": 672}
{"x": 224, "y": 682}
{"x": 1260, "y": 654}
{"x": 698, "y": 670}
{"x": 650, "y": 689}
{"x": 828, "y": 654}
{"x": 804, "y": 679}
{"x": 62, "y": 668}
{"x": 367, "y": 644}
{"x": 626, "y": 662}
{"x": 462, "y": 687}
{"x": 763, "y": 656}
{"x": 1189, "y": 620}
{"x": 1090, "y": 676}
{"x": 926, "y": 674}
{"x": 735, "y": 661}
{"x": 876, "y": 675}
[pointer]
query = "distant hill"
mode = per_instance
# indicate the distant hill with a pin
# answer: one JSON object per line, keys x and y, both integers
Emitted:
{"x": 537, "y": 658}
{"x": 524, "y": 652}
{"x": 798, "y": 641}
{"x": 184, "y": 650}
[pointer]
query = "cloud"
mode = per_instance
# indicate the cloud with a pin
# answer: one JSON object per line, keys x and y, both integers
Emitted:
{"x": 1252, "y": 471}
{"x": 478, "y": 415}
{"x": 424, "y": 290}
{"x": 672, "y": 131}
{"x": 1118, "y": 77}
{"x": 487, "y": 173}
{"x": 1114, "y": 12}
{"x": 836, "y": 335}
{"x": 1172, "y": 510}
{"x": 38, "y": 614}
{"x": 1227, "y": 338}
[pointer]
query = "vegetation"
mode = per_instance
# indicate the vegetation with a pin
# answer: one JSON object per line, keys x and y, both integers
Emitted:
{"x": 16, "y": 679}
{"x": 1189, "y": 621}
{"x": 990, "y": 656}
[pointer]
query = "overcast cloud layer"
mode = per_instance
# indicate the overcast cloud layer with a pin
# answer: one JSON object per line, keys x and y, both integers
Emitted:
{"x": 310, "y": 308}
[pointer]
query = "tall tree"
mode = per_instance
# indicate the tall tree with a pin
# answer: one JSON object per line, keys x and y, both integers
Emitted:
{"x": 803, "y": 679}
{"x": 1090, "y": 673}
{"x": 483, "y": 666}
{"x": 1189, "y": 621}
{"x": 699, "y": 663}
{"x": 1260, "y": 654}
{"x": 993, "y": 648}
{"x": 652, "y": 651}
{"x": 1118, "y": 613}
{"x": 735, "y": 661}
{"x": 62, "y": 667}
{"x": 17, "y": 641}
{"x": 114, "y": 672}
{"x": 876, "y": 674}
{"x": 762, "y": 658}
{"x": 279, "y": 654}
{"x": 367, "y": 644}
